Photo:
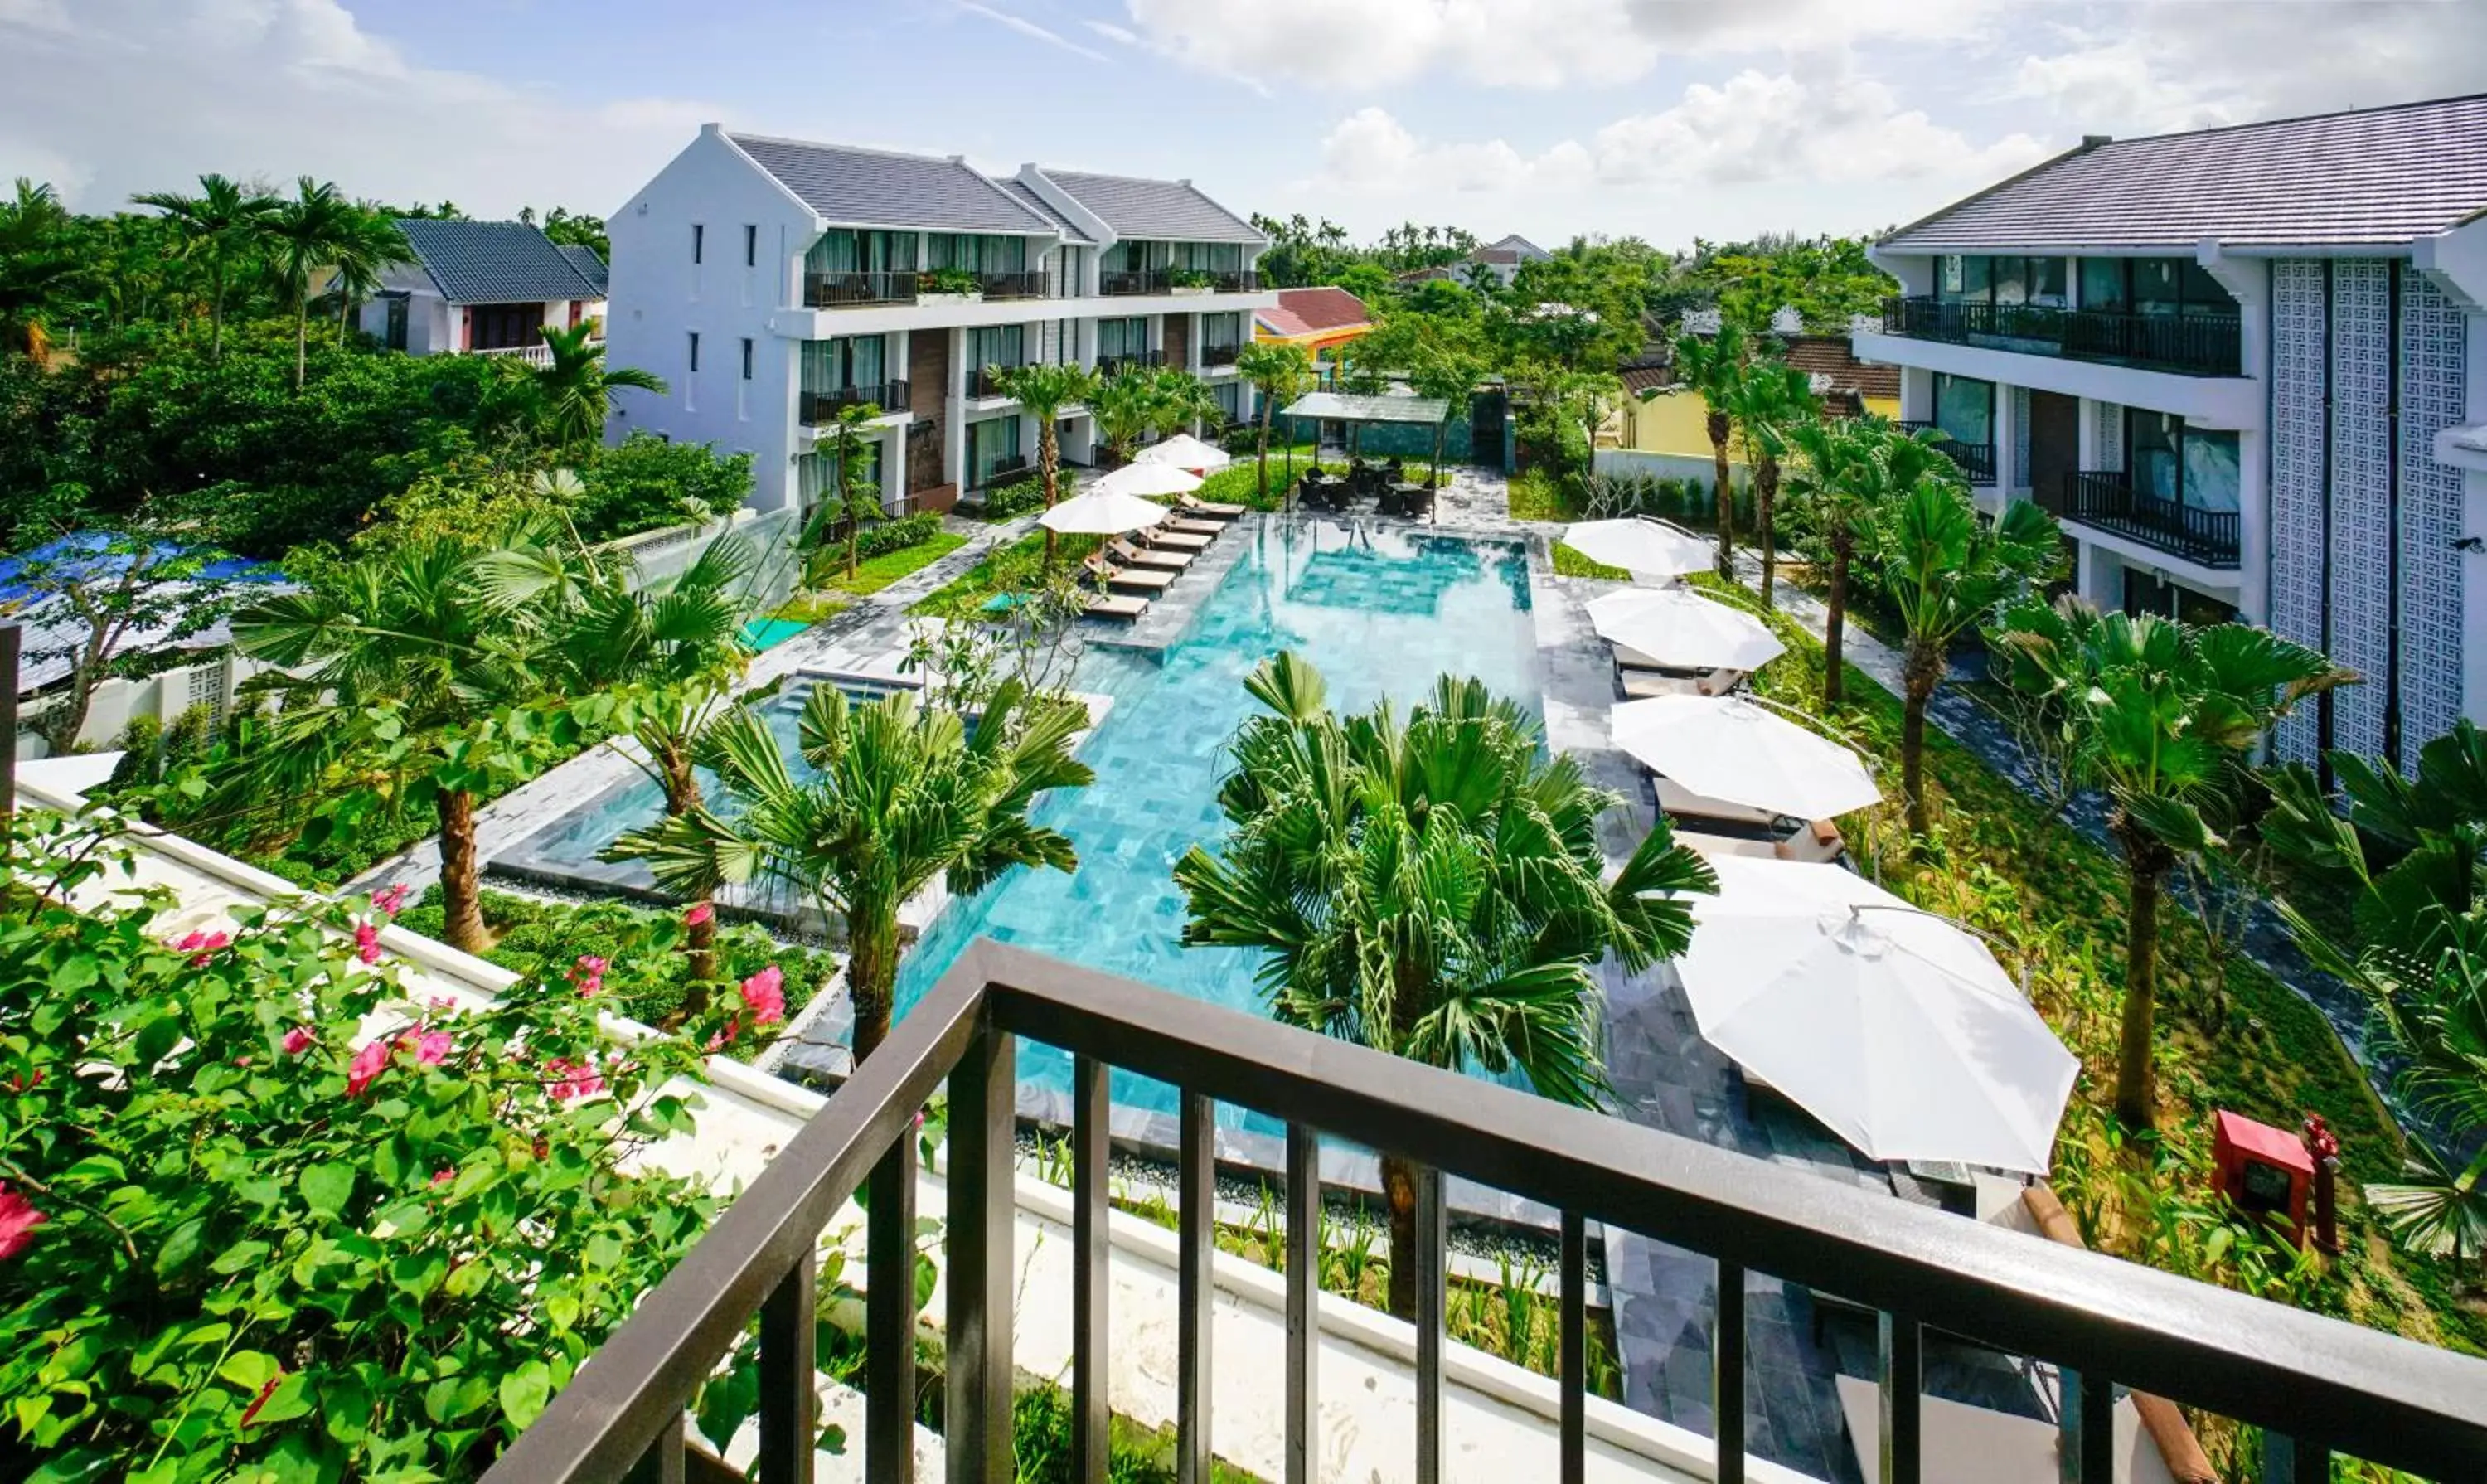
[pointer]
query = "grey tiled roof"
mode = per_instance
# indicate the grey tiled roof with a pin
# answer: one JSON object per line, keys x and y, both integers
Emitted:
{"x": 878, "y": 188}
{"x": 2379, "y": 176}
{"x": 1070, "y": 230}
{"x": 589, "y": 266}
{"x": 494, "y": 262}
{"x": 1160, "y": 210}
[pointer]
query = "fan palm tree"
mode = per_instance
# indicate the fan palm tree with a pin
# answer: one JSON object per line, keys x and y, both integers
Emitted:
{"x": 575, "y": 391}
{"x": 1279, "y": 373}
{"x": 1946, "y": 574}
{"x": 301, "y": 234}
{"x": 1042, "y": 390}
{"x": 2162, "y": 717}
{"x": 1770, "y": 401}
{"x": 214, "y": 226}
{"x": 903, "y": 794}
{"x": 2436, "y": 1209}
{"x": 1711, "y": 365}
{"x": 1430, "y": 886}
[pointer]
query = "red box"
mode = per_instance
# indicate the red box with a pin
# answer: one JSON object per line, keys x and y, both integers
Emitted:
{"x": 2263, "y": 1170}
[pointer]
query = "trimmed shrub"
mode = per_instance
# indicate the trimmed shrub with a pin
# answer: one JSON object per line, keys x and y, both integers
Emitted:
{"x": 1018, "y": 498}
{"x": 882, "y": 537}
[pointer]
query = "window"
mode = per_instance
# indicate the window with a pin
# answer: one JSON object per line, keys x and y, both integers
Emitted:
{"x": 746, "y": 360}
{"x": 750, "y": 247}
{"x": 2104, "y": 286}
{"x": 1122, "y": 337}
{"x": 996, "y": 345}
{"x": 837, "y": 365}
{"x": 2191, "y": 466}
{"x": 846, "y": 250}
{"x": 1221, "y": 331}
{"x": 699, "y": 242}
{"x": 976, "y": 253}
{"x": 694, "y": 352}
{"x": 817, "y": 477}
{"x": 991, "y": 444}
{"x": 2006, "y": 280}
{"x": 1964, "y": 409}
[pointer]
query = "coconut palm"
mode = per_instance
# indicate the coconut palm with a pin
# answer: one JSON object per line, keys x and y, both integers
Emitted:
{"x": 903, "y": 794}
{"x": 1178, "y": 400}
{"x": 301, "y": 234}
{"x": 1429, "y": 885}
{"x": 36, "y": 262}
{"x": 1279, "y": 372}
{"x": 1042, "y": 390}
{"x": 2162, "y": 717}
{"x": 1711, "y": 365}
{"x": 1124, "y": 407}
{"x": 366, "y": 249}
{"x": 1844, "y": 472}
{"x": 1770, "y": 401}
{"x": 855, "y": 496}
{"x": 576, "y": 390}
{"x": 214, "y": 226}
{"x": 1947, "y": 573}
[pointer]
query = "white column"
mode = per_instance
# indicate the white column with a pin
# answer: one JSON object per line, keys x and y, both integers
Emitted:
{"x": 2006, "y": 435}
{"x": 1916, "y": 394}
{"x": 893, "y": 466}
{"x": 2088, "y": 454}
{"x": 954, "y": 426}
{"x": 2253, "y": 526}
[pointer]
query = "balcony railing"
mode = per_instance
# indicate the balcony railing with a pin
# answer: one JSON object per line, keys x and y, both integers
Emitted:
{"x": 1110, "y": 365}
{"x": 2207, "y": 344}
{"x": 2106, "y": 501}
{"x": 1220, "y": 355}
{"x": 2318, "y": 1386}
{"x": 1163, "y": 281}
{"x": 1012, "y": 286}
{"x": 823, "y": 406}
{"x": 1976, "y": 461}
{"x": 838, "y": 290}
{"x": 1010, "y": 467}
{"x": 986, "y": 381}
{"x": 536, "y": 354}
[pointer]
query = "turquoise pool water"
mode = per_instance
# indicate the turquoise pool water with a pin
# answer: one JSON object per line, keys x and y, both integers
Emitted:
{"x": 769, "y": 632}
{"x": 1378, "y": 619}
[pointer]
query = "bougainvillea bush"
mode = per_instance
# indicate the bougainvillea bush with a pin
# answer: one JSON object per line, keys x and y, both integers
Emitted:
{"x": 241, "y": 1240}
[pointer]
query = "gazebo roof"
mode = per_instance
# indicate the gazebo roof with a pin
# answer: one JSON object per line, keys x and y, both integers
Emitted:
{"x": 1345, "y": 408}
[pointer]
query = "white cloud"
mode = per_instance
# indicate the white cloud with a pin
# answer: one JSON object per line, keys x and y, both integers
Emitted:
{"x": 1030, "y": 29}
{"x": 1121, "y": 36}
{"x": 1378, "y": 43}
{"x": 143, "y": 95}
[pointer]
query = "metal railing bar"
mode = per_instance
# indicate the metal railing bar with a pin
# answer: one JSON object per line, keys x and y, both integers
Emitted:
{"x": 646, "y": 1371}
{"x": 1091, "y": 1280}
{"x": 1431, "y": 1320}
{"x": 790, "y": 1400}
{"x": 1904, "y": 1377}
{"x": 2376, "y": 1395}
{"x": 2288, "y": 1460}
{"x": 1728, "y": 1375}
{"x": 1197, "y": 1288}
{"x": 2088, "y": 1424}
{"x": 667, "y": 1461}
{"x": 889, "y": 1318}
{"x": 1574, "y": 1356}
{"x": 1303, "y": 1301}
{"x": 983, "y": 1226}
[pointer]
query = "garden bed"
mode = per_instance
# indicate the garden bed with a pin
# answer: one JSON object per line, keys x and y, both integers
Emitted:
{"x": 1017, "y": 568}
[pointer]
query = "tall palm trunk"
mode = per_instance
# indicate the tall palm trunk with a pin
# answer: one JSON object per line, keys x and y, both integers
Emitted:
{"x": 1399, "y": 1190}
{"x": 1725, "y": 493}
{"x": 681, "y": 796}
{"x": 1049, "y": 469}
{"x": 1923, "y": 669}
{"x": 302, "y": 338}
{"x": 217, "y": 314}
{"x": 2147, "y": 862}
{"x": 1266, "y": 405}
{"x": 461, "y": 900}
{"x": 1835, "y": 624}
{"x": 872, "y": 976}
{"x": 1766, "y": 492}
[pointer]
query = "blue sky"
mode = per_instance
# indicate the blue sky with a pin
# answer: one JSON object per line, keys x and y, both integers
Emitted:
{"x": 1668, "y": 119}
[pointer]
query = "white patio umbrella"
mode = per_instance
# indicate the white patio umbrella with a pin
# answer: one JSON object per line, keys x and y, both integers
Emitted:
{"x": 1675, "y": 625}
{"x": 1146, "y": 479}
{"x": 1185, "y": 452}
{"x": 1893, "y": 1026}
{"x": 1735, "y": 748}
{"x": 1649, "y": 549}
{"x": 1102, "y": 512}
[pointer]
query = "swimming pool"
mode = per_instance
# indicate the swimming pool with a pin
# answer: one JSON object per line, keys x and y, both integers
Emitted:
{"x": 1380, "y": 614}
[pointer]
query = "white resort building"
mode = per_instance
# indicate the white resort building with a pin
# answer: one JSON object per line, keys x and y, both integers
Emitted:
{"x": 484, "y": 288}
{"x": 770, "y": 282}
{"x": 2247, "y": 368}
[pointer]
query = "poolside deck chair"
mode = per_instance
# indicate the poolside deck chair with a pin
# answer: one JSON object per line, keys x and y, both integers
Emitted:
{"x": 1167, "y": 560}
{"x": 1641, "y": 684}
{"x": 1208, "y": 510}
{"x": 1128, "y": 578}
{"x": 1700, "y": 811}
{"x": 1116, "y": 605}
{"x": 1186, "y": 525}
{"x": 1818, "y": 842}
{"x": 1164, "y": 535}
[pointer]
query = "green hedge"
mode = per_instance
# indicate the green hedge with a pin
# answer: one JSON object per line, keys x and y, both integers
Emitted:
{"x": 1018, "y": 498}
{"x": 882, "y": 537}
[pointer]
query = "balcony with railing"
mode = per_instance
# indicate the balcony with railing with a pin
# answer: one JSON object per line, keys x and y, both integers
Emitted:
{"x": 848, "y": 289}
{"x": 2317, "y": 1385}
{"x": 1218, "y": 355}
{"x": 2201, "y": 344}
{"x": 1112, "y": 365}
{"x": 1012, "y": 286}
{"x": 1169, "y": 280}
{"x": 2106, "y": 501}
{"x": 1976, "y": 461}
{"x": 986, "y": 381}
{"x": 822, "y": 407}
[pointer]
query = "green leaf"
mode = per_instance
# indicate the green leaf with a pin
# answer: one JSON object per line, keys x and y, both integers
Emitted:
{"x": 181, "y": 1248}
{"x": 452, "y": 1397}
{"x": 75, "y": 973}
{"x": 241, "y": 1257}
{"x": 289, "y": 1400}
{"x": 524, "y": 1392}
{"x": 419, "y": 1272}
{"x": 327, "y": 1186}
{"x": 249, "y": 1369}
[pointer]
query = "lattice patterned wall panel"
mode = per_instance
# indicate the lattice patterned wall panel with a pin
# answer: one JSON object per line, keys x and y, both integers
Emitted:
{"x": 2434, "y": 393}
{"x": 2297, "y": 376}
{"x": 2019, "y": 437}
{"x": 2361, "y": 589}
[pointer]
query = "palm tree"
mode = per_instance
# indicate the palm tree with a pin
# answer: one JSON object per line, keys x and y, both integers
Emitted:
{"x": 1946, "y": 574}
{"x": 213, "y": 227}
{"x": 1844, "y": 472}
{"x": 2434, "y": 1208}
{"x": 304, "y": 234}
{"x": 369, "y": 245}
{"x": 904, "y": 795}
{"x": 855, "y": 497}
{"x": 2162, "y": 717}
{"x": 1123, "y": 406}
{"x": 1770, "y": 401}
{"x": 575, "y": 391}
{"x": 1430, "y": 886}
{"x": 1711, "y": 365}
{"x": 1279, "y": 372}
{"x": 1042, "y": 390}
{"x": 36, "y": 261}
{"x": 1177, "y": 400}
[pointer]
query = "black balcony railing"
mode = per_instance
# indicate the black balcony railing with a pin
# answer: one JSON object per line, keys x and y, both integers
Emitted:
{"x": 823, "y": 406}
{"x": 1976, "y": 461}
{"x": 1012, "y": 286}
{"x": 1167, "y": 280}
{"x": 2194, "y": 344}
{"x": 1109, "y": 365}
{"x": 1131, "y": 283}
{"x": 2106, "y": 501}
{"x": 837, "y": 290}
{"x": 1004, "y": 468}
{"x": 2319, "y": 1386}
{"x": 986, "y": 381}
{"x": 1220, "y": 355}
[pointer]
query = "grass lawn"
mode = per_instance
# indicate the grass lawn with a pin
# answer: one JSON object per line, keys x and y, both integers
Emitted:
{"x": 872, "y": 574}
{"x": 2230, "y": 1035}
{"x": 1013, "y": 568}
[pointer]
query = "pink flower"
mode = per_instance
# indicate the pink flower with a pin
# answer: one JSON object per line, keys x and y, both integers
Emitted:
{"x": 733, "y": 1028}
{"x": 389, "y": 901}
{"x": 430, "y": 1046}
{"x": 443, "y": 1176}
{"x": 700, "y": 913}
{"x": 588, "y": 974}
{"x": 202, "y": 946}
{"x": 367, "y": 943}
{"x": 365, "y": 1067}
{"x": 765, "y": 995}
{"x": 18, "y": 1219}
{"x": 572, "y": 1079}
{"x": 18, "y": 1083}
{"x": 298, "y": 1040}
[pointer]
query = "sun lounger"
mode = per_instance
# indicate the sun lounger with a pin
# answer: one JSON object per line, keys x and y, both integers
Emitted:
{"x": 1168, "y": 560}
{"x": 1642, "y": 685}
{"x": 1160, "y": 537}
{"x": 1187, "y": 527}
{"x": 1817, "y": 841}
{"x": 1132, "y": 578}
{"x": 1116, "y": 605}
{"x": 1702, "y": 843}
{"x": 1678, "y": 802}
{"x": 1208, "y": 510}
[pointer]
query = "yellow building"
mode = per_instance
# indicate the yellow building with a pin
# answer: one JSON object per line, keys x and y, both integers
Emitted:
{"x": 1658, "y": 416}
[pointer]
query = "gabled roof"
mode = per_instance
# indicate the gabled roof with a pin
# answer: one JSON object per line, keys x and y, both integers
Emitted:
{"x": 1071, "y": 231}
{"x": 2377, "y": 175}
{"x": 494, "y": 262}
{"x": 1514, "y": 248}
{"x": 1830, "y": 355}
{"x": 849, "y": 187}
{"x": 1158, "y": 210}
{"x": 1301, "y": 312}
{"x": 589, "y": 266}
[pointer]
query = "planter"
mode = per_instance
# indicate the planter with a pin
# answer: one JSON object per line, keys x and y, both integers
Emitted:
{"x": 976, "y": 298}
{"x": 1189, "y": 290}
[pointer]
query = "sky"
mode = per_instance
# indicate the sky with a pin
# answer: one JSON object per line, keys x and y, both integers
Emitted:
{"x": 1669, "y": 119}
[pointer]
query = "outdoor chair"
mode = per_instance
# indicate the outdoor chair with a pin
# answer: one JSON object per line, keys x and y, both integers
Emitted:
{"x": 1208, "y": 510}
{"x": 1168, "y": 560}
{"x": 1115, "y": 606}
{"x": 1640, "y": 685}
{"x": 1132, "y": 578}
{"x": 1159, "y": 537}
{"x": 1186, "y": 525}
